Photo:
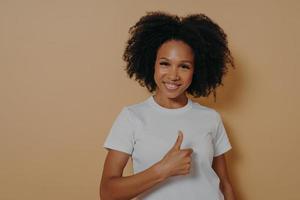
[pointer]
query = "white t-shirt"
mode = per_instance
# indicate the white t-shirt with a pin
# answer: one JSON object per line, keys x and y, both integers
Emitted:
{"x": 147, "y": 131}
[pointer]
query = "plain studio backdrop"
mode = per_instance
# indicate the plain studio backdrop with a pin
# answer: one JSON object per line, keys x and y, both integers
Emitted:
{"x": 62, "y": 85}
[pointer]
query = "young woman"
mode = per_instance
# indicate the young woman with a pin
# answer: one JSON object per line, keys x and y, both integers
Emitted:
{"x": 177, "y": 145}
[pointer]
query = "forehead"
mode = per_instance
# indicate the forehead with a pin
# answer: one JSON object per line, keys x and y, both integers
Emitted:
{"x": 175, "y": 49}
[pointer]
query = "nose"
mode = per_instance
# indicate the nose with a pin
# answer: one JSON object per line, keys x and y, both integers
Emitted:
{"x": 173, "y": 73}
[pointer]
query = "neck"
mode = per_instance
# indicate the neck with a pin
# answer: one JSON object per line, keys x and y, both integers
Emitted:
{"x": 171, "y": 103}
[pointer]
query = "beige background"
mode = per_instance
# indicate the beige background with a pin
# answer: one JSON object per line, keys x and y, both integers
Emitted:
{"x": 62, "y": 85}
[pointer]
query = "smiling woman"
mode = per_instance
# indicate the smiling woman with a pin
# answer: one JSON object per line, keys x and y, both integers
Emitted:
{"x": 177, "y": 145}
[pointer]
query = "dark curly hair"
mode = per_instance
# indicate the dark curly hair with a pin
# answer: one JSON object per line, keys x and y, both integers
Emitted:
{"x": 205, "y": 37}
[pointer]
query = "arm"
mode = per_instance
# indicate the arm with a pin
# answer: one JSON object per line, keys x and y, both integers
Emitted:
{"x": 219, "y": 165}
{"x": 115, "y": 187}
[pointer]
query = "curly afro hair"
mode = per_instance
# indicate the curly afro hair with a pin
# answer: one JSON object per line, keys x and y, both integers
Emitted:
{"x": 207, "y": 40}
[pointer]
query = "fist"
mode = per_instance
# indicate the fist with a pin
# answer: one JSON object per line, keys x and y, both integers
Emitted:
{"x": 176, "y": 161}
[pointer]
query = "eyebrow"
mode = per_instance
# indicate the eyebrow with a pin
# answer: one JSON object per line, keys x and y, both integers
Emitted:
{"x": 188, "y": 61}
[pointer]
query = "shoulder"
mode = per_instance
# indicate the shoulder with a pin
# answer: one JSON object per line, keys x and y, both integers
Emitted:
{"x": 207, "y": 111}
{"x": 136, "y": 111}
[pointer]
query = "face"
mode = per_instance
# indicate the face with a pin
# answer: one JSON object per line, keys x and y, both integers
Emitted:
{"x": 174, "y": 68}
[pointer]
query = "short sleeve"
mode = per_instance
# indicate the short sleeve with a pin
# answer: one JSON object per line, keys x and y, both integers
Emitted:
{"x": 121, "y": 134}
{"x": 220, "y": 138}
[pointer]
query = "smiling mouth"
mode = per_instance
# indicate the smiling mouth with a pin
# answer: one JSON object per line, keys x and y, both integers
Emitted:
{"x": 171, "y": 86}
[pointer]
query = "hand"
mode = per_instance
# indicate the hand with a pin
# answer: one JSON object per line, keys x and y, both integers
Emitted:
{"x": 177, "y": 161}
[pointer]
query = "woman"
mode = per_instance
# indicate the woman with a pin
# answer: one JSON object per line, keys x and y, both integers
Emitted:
{"x": 177, "y": 145}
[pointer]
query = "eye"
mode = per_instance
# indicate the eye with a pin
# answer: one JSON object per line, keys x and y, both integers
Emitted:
{"x": 164, "y": 63}
{"x": 185, "y": 66}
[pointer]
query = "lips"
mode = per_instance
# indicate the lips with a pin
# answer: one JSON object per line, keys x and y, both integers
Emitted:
{"x": 171, "y": 86}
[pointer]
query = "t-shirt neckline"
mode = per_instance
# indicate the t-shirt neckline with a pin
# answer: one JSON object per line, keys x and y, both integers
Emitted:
{"x": 160, "y": 108}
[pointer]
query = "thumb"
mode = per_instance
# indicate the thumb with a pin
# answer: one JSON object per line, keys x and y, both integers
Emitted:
{"x": 178, "y": 141}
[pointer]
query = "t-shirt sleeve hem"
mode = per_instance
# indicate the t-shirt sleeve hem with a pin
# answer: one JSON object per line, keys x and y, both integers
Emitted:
{"x": 117, "y": 147}
{"x": 223, "y": 150}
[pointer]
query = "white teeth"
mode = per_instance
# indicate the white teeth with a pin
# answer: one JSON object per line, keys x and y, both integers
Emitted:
{"x": 171, "y": 86}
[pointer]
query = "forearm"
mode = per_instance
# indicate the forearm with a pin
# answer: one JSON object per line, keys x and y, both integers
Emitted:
{"x": 228, "y": 191}
{"x": 125, "y": 188}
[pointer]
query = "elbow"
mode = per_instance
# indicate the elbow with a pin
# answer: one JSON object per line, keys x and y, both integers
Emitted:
{"x": 103, "y": 195}
{"x": 226, "y": 187}
{"x": 105, "y": 192}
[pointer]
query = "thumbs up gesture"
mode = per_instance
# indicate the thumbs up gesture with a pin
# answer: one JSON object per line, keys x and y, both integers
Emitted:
{"x": 177, "y": 161}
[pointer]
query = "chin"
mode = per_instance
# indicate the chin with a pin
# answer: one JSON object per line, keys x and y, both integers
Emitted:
{"x": 172, "y": 95}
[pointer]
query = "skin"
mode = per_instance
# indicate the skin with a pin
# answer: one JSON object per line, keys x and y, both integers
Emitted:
{"x": 220, "y": 167}
{"x": 174, "y": 64}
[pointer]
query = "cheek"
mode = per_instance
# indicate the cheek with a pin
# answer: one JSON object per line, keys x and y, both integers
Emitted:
{"x": 157, "y": 77}
{"x": 191, "y": 75}
{"x": 191, "y": 78}
{"x": 188, "y": 78}
{"x": 158, "y": 74}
